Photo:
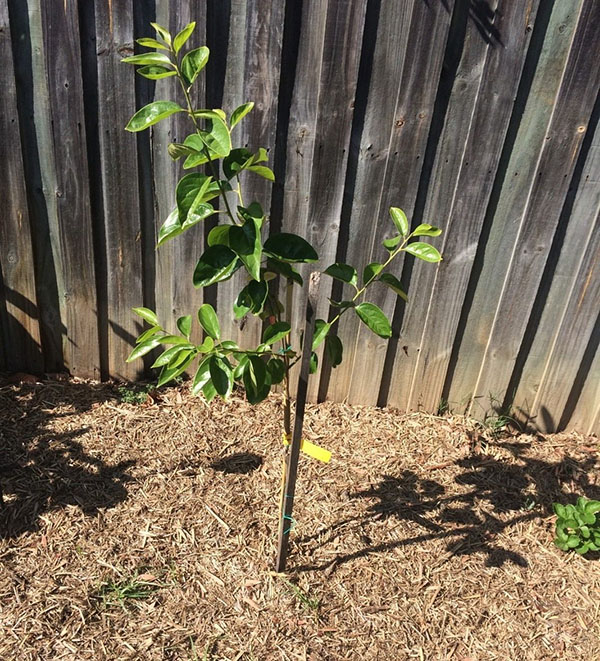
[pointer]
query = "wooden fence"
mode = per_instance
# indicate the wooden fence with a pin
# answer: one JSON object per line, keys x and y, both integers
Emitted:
{"x": 477, "y": 116}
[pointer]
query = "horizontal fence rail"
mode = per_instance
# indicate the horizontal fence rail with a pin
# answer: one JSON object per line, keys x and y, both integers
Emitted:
{"x": 478, "y": 116}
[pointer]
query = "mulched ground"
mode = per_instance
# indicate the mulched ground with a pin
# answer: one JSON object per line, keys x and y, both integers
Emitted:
{"x": 149, "y": 531}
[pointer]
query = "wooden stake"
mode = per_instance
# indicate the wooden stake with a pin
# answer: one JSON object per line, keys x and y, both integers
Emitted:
{"x": 293, "y": 450}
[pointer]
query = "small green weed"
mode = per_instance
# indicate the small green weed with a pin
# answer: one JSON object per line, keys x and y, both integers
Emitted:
{"x": 311, "y": 604}
{"x": 126, "y": 590}
{"x": 134, "y": 394}
{"x": 578, "y": 526}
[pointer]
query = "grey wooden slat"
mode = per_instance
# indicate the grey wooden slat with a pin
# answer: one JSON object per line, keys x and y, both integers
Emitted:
{"x": 63, "y": 69}
{"x": 389, "y": 169}
{"x": 118, "y": 157}
{"x": 572, "y": 110}
{"x": 552, "y": 361}
{"x": 253, "y": 74}
{"x": 20, "y": 329}
{"x": 455, "y": 148}
{"x": 175, "y": 261}
{"x": 520, "y": 171}
{"x": 322, "y": 141}
{"x": 586, "y": 415}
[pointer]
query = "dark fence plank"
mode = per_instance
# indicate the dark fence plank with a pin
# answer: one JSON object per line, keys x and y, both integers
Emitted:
{"x": 538, "y": 223}
{"x": 19, "y": 314}
{"x": 63, "y": 66}
{"x": 118, "y": 154}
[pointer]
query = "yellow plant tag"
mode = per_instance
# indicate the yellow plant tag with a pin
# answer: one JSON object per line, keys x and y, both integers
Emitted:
{"x": 312, "y": 450}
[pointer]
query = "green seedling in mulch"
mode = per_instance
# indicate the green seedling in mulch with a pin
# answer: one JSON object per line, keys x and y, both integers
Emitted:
{"x": 127, "y": 590}
{"x": 578, "y": 526}
{"x": 311, "y": 604}
{"x": 134, "y": 394}
{"x": 240, "y": 242}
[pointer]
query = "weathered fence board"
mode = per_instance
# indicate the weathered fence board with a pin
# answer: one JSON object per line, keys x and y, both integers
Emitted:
{"x": 473, "y": 116}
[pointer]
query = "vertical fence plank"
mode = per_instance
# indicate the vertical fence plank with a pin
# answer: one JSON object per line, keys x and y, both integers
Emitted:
{"x": 118, "y": 156}
{"x": 538, "y": 222}
{"x": 519, "y": 172}
{"x": 253, "y": 73}
{"x": 63, "y": 67}
{"x": 586, "y": 414}
{"x": 19, "y": 320}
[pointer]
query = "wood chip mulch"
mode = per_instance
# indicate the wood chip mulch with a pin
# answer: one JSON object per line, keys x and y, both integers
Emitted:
{"x": 148, "y": 532}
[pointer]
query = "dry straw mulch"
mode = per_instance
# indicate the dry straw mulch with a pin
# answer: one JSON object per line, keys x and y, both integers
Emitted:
{"x": 149, "y": 531}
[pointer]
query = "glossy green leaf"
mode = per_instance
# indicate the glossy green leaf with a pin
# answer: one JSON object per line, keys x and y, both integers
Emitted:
{"x": 400, "y": 220}
{"x": 343, "y": 272}
{"x": 202, "y": 376}
{"x": 284, "y": 269}
{"x": 190, "y": 195}
{"x": 314, "y": 363}
{"x": 151, "y": 59}
{"x": 394, "y": 284}
{"x": 276, "y": 332}
{"x": 263, "y": 171}
{"x": 170, "y": 228}
{"x": 209, "y": 321}
{"x": 155, "y": 72}
{"x": 240, "y": 367}
{"x": 170, "y": 353}
{"x": 244, "y": 240}
{"x": 173, "y": 339}
{"x": 371, "y": 272}
{"x": 393, "y": 243}
{"x": 240, "y": 112}
{"x": 321, "y": 330}
{"x": 423, "y": 251}
{"x": 290, "y": 248}
{"x": 219, "y": 235}
{"x": 276, "y": 368}
{"x": 151, "y": 43}
{"x": 221, "y": 375}
{"x": 374, "y": 318}
{"x": 217, "y": 139}
{"x": 334, "y": 350}
{"x": 169, "y": 373}
{"x": 143, "y": 348}
{"x": 183, "y": 36}
{"x": 216, "y": 264}
{"x": 146, "y": 315}
{"x": 184, "y": 324}
{"x": 147, "y": 334}
{"x": 255, "y": 379}
{"x": 426, "y": 230}
{"x": 163, "y": 32}
{"x": 342, "y": 304}
{"x": 151, "y": 114}
{"x": 193, "y": 63}
{"x": 177, "y": 150}
{"x": 251, "y": 299}
{"x": 236, "y": 161}
{"x": 207, "y": 345}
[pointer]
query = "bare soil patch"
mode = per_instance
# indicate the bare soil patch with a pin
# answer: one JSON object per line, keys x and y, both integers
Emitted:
{"x": 149, "y": 531}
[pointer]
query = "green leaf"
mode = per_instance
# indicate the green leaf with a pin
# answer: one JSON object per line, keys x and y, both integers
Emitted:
{"x": 321, "y": 330}
{"x": 559, "y": 510}
{"x": 190, "y": 194}
{"x": 193, "y": 63}
{"x": 276, "y": 368}
{"x": 592, "y": 506}
{"x": 240, "y": 112}
{"x": 290, "y": 248}
{"x": 202, "y": 376}
{"x": 173, "y": 339}
{"x": 151, "y": 114}
{"x": 423, "y": 251}
{"x": 400, "y": 220}
{"x": 263, "y": 171}
{"x": 217, "y": 263}
{"x": 177, "y": 150}
{"x": 314, "y": 363}
{"x": 239, "y": 368}
{"x": 276, "y": 332}
{"x": 244, "y": 240}
{"x": 219, "y": 235}
{"x": 572, "y": 541}
{"x": 143, "y": 348}
{"x": 184, "y": 324}
{"x": 169, "y": 373}
{"x": 159, "y": 59}
{"x": 209, "y": 321}
{"x": 256, "y": 381}
{"x": 163, "y": 32}
{"x": 156, "y": 72}
{"x": 183, "y": 36}
{"x": 374, "y": 318}
{"x": 342, "y": 304}
{"x": 147, "y": 334}
{"x": 426, "y": 230}
{"x": 217, "y": 139}
{"x": 394, "y": 284}
{"x": 391, "y": 244}
{"x": 207, "y": 346}
{"x": 146, "y": 315}
{"x": 236, "y": 161}
{"x": 166, "y": 356}
{"x": 343, "y": 272}
{"x": 170, "y": 228}
{"x": 371, "y": 271}
{"x": 209, "y": 391}
{"x": 334, "y": 350}
{"x": 221, "y": 375}
{"x": 284, "y": 269}
{"x": 251, "y": 299}
{"x": 151, "y": 43}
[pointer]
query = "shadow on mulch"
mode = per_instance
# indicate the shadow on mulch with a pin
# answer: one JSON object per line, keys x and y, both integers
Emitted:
{"x": 499, "y": 499}
{"x": 240, "y": 463}
{"x": 42, "y": 470}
